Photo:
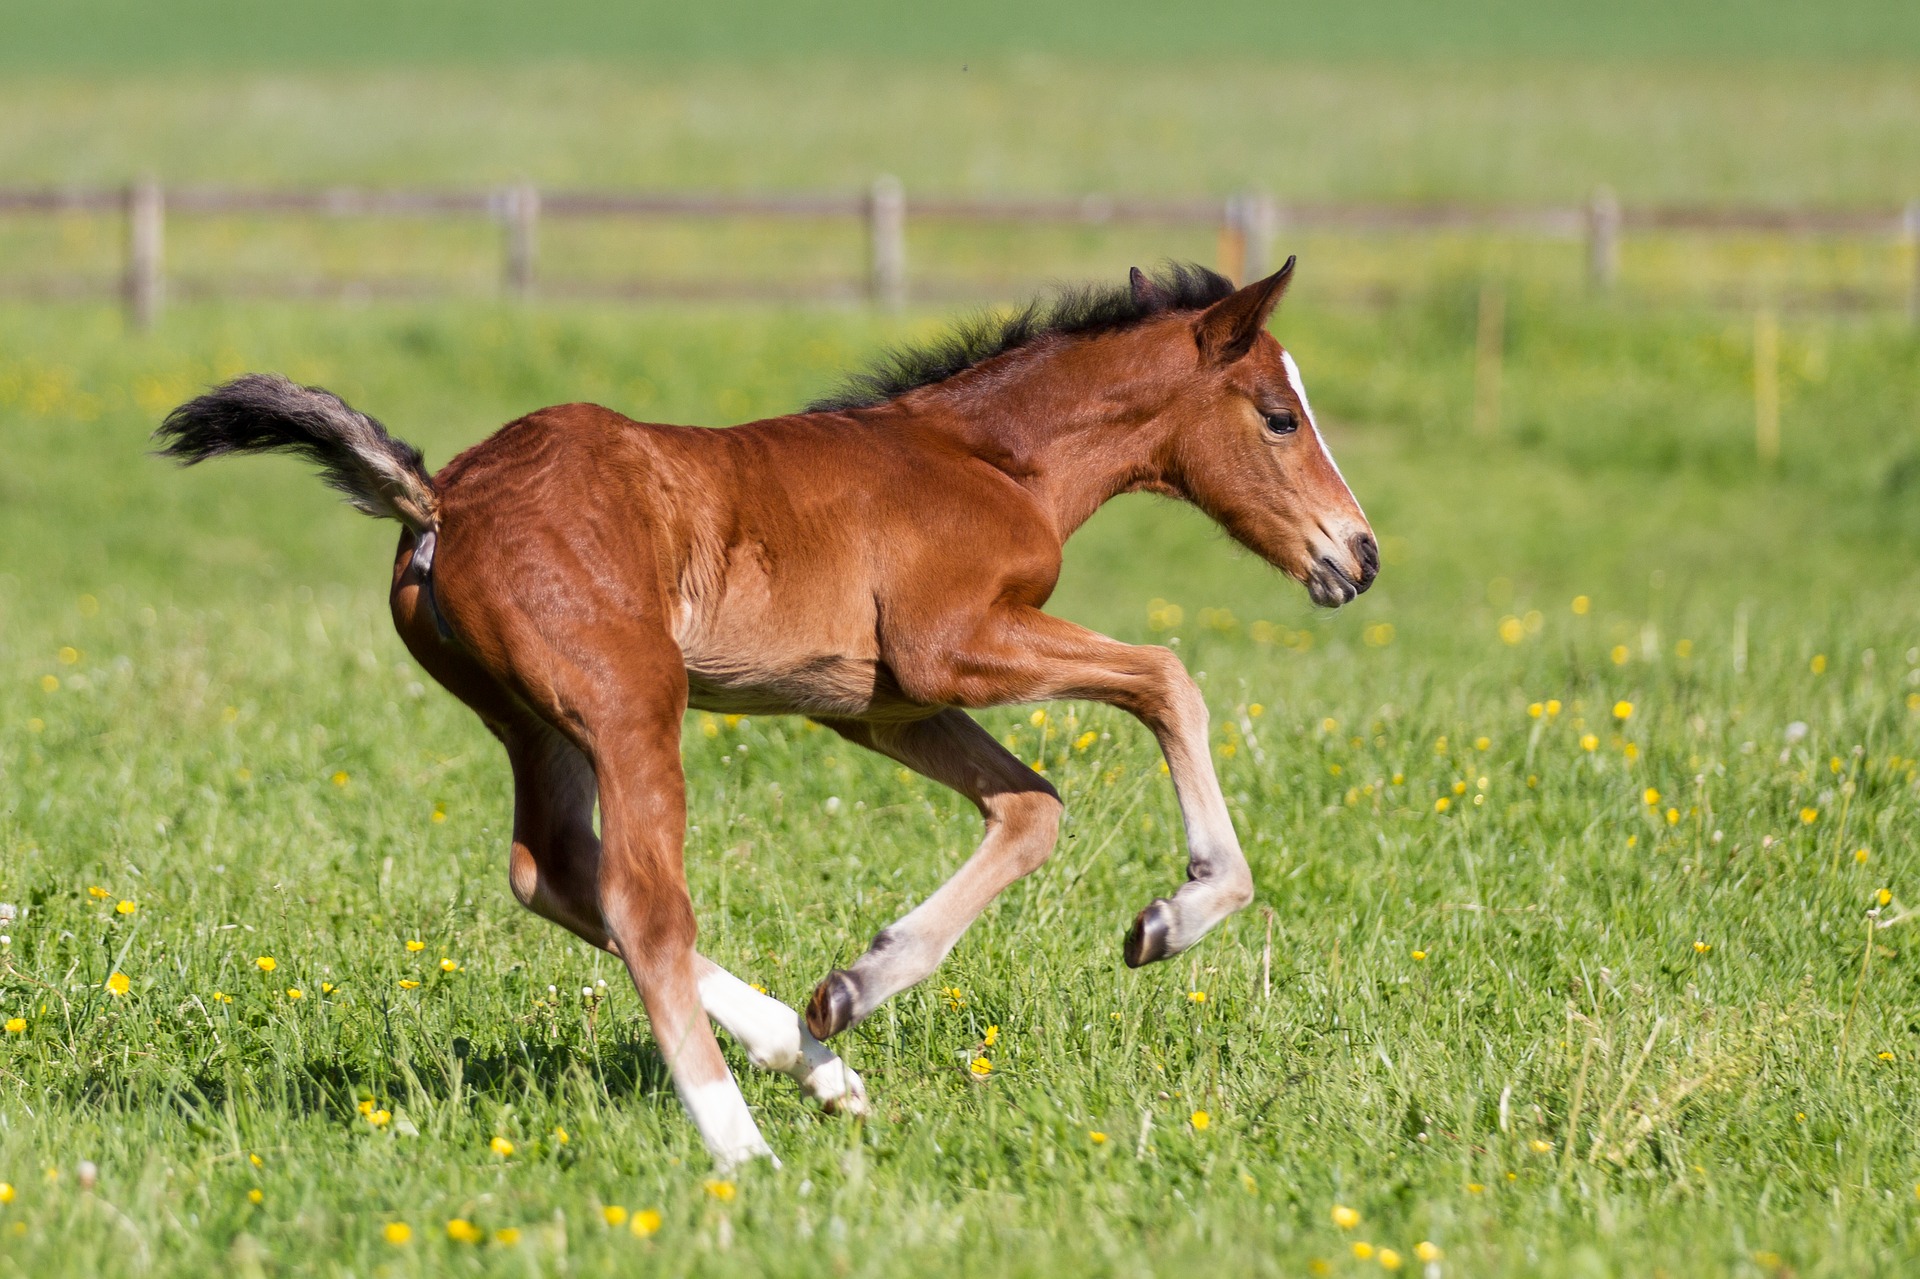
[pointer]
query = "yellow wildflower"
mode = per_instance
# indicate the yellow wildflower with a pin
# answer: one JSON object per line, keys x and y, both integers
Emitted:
{"x": 407, "y": 983}
{"x": 1475, "y": 1188}
{"x": 1553, "y": 707}
{"x": 560, "y": 1137}
{"x": 439, "y": 814}
{"x": 1389, "y": 1259}
{"x": 1860, "y": 855}
{"x": 448, "y": 966}
{"x": 991, "y": 1037}
{"x": 327, "y": 988}
{"x": 221, "y": 997}
{"x": 126, "y": 907}
{"x": 1037, "y": 718}
{"x": 1540, "y": 1146}
{"x": 1535, "y": 710}
{"x": 1623, "y": 710}
{"x": 380, "y": 1118}
{"x": 340, "y": 779}
{"x": 1482, "y": 743}
{"x": 1582, "y": 605}
{"x": 981, "y": 1067}
{"x": 1097, "y": 1138}
{"x": 724, "y": 1191}
{"x": 256, "y": 1160}
{"x": 1442, "y": 804}
{"x": 501, "y": 1146}
{"x": 1196, "y": 996}
{"x": 1588, "y": 742}
{"x": 1702, "y": 947}
{"x": 294, "y": 992}
{"x": 6, "y": 1192}
{"x": 1427, "y": 1252}
{"x": 1619, "y": 654}
{"x": 1819, "y": 664}
{"x": 1419, "y": 956}
{"x": 1200, "y": 1120}
{"x": 49, "y": 683}
{"x": 415, "y": 945}
{"x": 646, "y": 1222}
{"x": 506, "y": 1236}
{"x": 256, "y": 1196}
{"x": 1344, "y": 1217}
{"x": 614, "y": 1215}
{"x": 460, "y": 1230}
{"x": 1884, "y": 897}
{"x": 98, "y": 893}
{"x": 1651, "y": 796}
{"x": 1085, "y": 740}
{"x": 266, "y": 963}
{"x": 16, "y": 1024}
{"x": 1886, "y": 1056}
{"x": 398, "y": 1233}
{"x": 1808, "y": 816}
{"x": 118, "y": 983}
{"x": 1363, "y": 1251}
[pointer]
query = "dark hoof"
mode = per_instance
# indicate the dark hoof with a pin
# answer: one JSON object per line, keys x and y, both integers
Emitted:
{"x": 1147, "y": 939}
{"x": 830, "y": 1011}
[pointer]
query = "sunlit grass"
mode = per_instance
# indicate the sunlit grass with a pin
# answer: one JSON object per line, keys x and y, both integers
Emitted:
{"x": 1493, "y": 999}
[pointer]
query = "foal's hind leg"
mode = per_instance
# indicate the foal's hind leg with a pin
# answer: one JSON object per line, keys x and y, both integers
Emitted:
{"x": 555, "y": 873}
{"x": 1023, "y": 820}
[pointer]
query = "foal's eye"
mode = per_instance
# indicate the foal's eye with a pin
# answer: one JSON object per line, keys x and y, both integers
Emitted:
{"x": 1281, "y": 422}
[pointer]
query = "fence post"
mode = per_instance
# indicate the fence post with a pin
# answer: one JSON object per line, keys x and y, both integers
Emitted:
{"x": 522, "y": 208}
{"x": 887, "y": 243}
{"x": 1489, "y": 358}
{"x": 146, "y": 223}
{"x": 1766, "y": 386}
{"x": 1259, "y": 220}
{"x": 1232, "y": 249}
{"x": 1910, "y": 229}
{"x": 1603, "y": 239}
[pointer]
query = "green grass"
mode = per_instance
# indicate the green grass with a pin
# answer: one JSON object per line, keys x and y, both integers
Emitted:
{"x": 116, "y": 34}
{"x": 230, "y": 659}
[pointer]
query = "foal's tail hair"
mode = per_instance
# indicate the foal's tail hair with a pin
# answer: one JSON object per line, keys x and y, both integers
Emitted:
{"x": 266, "y": 413}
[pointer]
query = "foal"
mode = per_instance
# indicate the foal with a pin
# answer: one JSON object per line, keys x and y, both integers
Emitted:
{"x": 877, "y": 563}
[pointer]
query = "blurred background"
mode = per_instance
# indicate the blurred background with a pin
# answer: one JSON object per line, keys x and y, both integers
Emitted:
{"x": 1646, "y": 244}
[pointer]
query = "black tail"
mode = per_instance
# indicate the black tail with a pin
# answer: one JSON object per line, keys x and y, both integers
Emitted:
{"x": 266, "y": 413}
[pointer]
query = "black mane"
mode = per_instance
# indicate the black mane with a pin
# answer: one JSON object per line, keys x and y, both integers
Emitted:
{"x": 1183, "y": 286}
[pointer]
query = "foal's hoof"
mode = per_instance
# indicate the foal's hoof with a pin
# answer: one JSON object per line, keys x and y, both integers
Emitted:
{"x": 1147, "y": 939}
{"x": 830, "y": 1011}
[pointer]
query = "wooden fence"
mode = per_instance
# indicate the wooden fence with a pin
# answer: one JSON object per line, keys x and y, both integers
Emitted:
{"x": 1247, "y": 225}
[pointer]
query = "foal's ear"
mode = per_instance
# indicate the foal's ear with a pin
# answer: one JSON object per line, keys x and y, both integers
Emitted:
{"x": 1227, "y": 329}
{"x": 1148, "y": 296}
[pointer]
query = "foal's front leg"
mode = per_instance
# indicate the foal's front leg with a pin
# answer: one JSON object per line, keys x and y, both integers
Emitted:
{"x": 1020, "y": 654}
{"x": 1023, "y": 820}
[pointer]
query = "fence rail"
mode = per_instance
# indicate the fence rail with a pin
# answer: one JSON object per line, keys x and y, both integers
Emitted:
{"x": 1247, "y": 226}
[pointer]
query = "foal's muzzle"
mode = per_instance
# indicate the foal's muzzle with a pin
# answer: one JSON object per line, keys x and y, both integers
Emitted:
{"x": 1332, "y": 583}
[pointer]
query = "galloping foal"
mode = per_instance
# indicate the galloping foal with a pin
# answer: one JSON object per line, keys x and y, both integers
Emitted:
{"x": 877, "y": 563}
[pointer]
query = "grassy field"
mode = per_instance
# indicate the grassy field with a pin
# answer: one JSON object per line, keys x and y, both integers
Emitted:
{"x": 1561, "y": 1026}
{"x": 1584, "y": 842}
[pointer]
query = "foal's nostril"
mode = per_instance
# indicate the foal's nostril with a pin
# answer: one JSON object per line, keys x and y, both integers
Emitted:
{"x": 1367, "y": 552}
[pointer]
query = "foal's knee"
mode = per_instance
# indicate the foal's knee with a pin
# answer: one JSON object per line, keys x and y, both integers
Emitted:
{"x": 1029, "y": 822}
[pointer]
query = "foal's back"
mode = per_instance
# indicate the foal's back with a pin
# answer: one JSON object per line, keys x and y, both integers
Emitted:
{"x": 785, "y": 558}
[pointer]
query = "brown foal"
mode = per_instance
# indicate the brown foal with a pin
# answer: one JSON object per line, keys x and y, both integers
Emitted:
{"x": 878, "y": 563}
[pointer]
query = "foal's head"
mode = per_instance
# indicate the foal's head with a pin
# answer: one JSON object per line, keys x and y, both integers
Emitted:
{"x": 1243, "y": 445}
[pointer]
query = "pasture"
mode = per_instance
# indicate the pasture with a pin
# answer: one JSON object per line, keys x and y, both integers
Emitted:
{"x": 1639, "y": 1032}
{"x": 1584, "y": 842}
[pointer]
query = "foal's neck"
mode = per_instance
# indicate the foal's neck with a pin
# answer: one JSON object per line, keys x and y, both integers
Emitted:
{"x": 1073, "y": 425}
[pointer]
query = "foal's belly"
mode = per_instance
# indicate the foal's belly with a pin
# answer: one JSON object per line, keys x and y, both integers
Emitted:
{"x": 824, "y": 685}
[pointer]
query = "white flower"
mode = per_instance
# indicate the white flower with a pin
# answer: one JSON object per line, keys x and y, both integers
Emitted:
{"x": 1797, "y": 731}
